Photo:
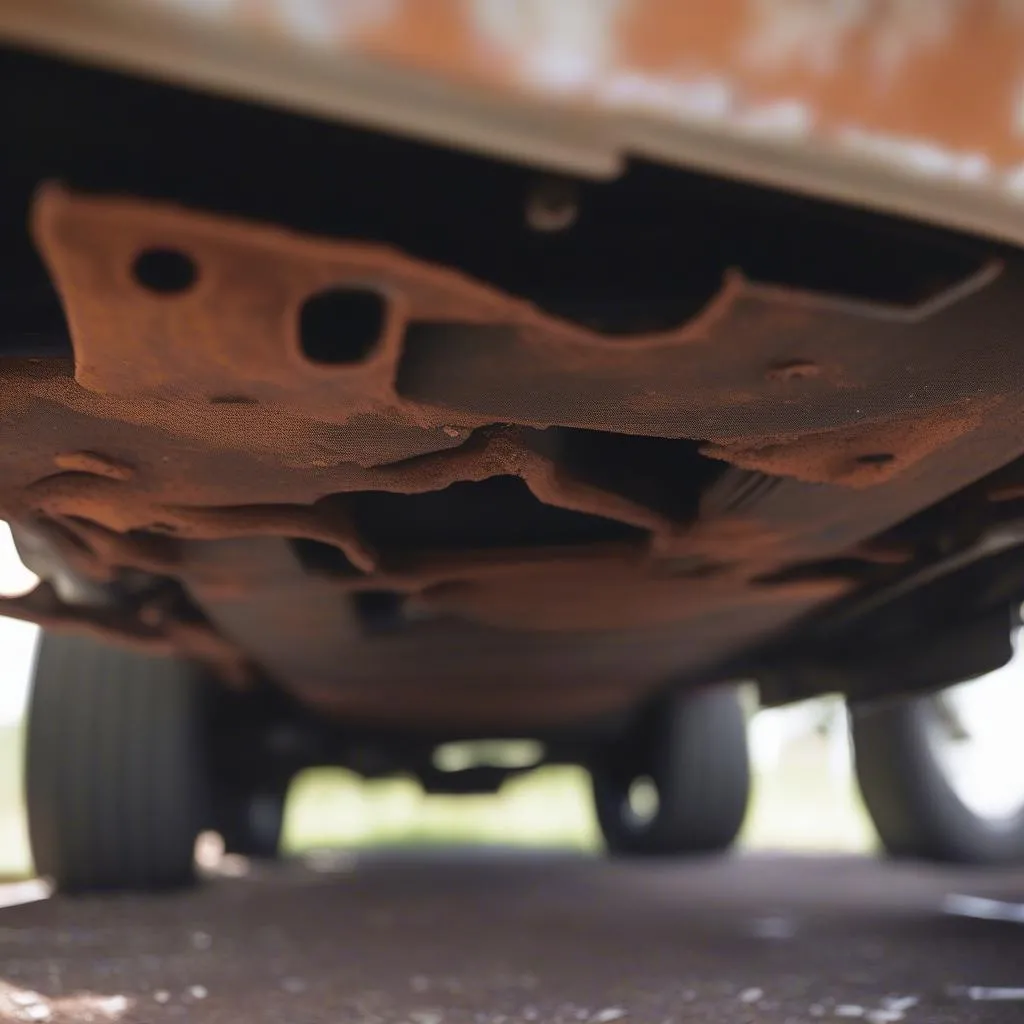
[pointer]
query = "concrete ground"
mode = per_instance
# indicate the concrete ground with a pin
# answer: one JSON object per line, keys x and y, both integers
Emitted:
{"x": 492, "y": 937}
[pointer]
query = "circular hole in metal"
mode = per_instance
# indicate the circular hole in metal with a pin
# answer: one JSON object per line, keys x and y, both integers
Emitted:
{"x": 165, "y": 271}
{"x": 340, "y": 326}
{"x": 875, "y": 458}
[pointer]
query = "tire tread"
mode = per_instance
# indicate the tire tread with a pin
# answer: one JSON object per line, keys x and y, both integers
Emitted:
{"x": 113, "y": 772}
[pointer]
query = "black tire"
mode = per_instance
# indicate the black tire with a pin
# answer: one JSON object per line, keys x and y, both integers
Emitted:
{"x": 114, "y": 775}
{"x": 693, "y": 748}
{"x": 251, "y": 823}
{"x": 915, "y": 809}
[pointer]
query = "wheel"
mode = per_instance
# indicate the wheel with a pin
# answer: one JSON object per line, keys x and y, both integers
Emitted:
{"x": 114, "y": 779}
{"x": 251, "y": 823}
{"x": 942, "y": 775}
{"x": 679, "y": 783}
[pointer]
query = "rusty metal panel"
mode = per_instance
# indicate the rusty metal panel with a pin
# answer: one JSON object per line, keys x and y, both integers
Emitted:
{"x": 194, "y": 415}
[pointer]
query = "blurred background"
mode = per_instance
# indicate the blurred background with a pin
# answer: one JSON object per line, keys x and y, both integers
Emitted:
{"x": 804, "y": 798}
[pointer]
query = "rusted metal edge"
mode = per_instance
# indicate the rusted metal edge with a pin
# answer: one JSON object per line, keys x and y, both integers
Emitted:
{"x": 384, "y": 96}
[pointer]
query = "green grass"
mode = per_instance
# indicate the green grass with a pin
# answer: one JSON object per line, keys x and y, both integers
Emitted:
{"x": 548, "y": 807}
{"x": 797, "y": 806}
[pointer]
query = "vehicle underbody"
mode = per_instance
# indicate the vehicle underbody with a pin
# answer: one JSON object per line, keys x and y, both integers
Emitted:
{"x": 433, "y": 443}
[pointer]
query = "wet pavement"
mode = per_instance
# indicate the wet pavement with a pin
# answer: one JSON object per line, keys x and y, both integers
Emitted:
{"x": 507, "y": 937}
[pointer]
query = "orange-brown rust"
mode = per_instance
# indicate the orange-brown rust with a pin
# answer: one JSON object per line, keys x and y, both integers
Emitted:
{"x": 101, "y": 500}
{"x": 236, "y": 436}
{"x": 545, "y": 601}
{"x": 880, "y": 552}
{"x": 238, "y": 321}
{"x": 94, "y": 463}
{"x": 161, "y": 637}
{"x": 862, "y": 456}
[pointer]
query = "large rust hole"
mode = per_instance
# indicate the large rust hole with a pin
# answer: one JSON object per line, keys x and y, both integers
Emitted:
{"x": 492, "y": 514}
{"x": 341, "y": 326}
{"x": 323, "y": 559}
{"x": 165, "y": 271}
{"x": 667, "y": 475}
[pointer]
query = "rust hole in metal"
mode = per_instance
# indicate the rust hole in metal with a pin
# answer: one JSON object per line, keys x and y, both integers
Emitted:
{"x": 341, "y": 326}
{"x": 876, "y": 458}
{"x": 165, "y": 271}
{"x": 499, "y": 512}
{"x": 324, "y": 559}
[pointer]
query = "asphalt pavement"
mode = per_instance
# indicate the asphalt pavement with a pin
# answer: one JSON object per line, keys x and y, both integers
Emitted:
{"x": 502, "y": 937}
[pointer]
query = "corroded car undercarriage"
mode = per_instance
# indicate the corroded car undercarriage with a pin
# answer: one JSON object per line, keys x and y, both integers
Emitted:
{"x": 422, "y": 438}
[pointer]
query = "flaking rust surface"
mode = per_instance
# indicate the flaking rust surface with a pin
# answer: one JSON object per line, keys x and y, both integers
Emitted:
{"x": 861, "y": 456}
{"x": 193, "y": 419}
